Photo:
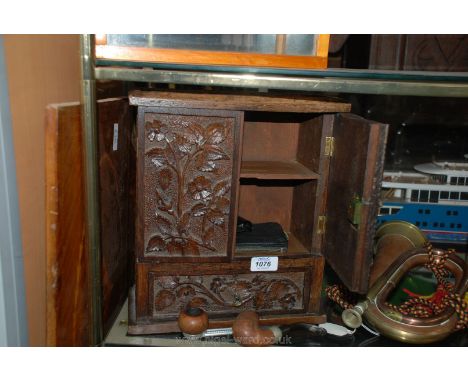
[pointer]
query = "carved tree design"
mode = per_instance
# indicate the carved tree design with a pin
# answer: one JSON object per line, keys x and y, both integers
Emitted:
{"x": 192, "y": 201}
{"x": 173, "y": 293}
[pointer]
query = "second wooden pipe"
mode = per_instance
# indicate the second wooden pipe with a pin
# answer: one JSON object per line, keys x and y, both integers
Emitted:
{"x": 247, "y": 331}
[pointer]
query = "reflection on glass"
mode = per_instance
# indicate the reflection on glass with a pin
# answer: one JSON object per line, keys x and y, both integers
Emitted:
{"x": 302, "y": 44}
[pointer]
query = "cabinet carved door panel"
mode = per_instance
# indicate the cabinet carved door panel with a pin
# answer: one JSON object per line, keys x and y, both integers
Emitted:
{"x": 187, "y": 177}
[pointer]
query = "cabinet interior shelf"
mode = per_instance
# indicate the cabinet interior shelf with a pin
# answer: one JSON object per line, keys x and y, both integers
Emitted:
{"x": 276, "y": 170}
{"x": 295, "y": 248}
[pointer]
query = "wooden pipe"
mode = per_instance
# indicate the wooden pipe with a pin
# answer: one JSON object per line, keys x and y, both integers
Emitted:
{"x": 193, "y": 322}
{"x": 247, "y": 331}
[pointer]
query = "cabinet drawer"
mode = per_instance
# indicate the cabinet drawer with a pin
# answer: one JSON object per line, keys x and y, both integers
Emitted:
{"x": 227, "y": 293}
{"x": 224, "y": 289}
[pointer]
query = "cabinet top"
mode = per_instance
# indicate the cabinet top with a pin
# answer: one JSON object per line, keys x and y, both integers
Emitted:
{"x": 244, "y": 102}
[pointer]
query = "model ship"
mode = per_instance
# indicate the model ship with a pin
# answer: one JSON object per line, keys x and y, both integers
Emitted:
{"x": 434, "y": 198}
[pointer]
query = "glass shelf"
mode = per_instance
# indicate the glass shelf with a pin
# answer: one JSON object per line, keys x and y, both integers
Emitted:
{"x": 365, "y": 74}
{"x": 432, "y": 84}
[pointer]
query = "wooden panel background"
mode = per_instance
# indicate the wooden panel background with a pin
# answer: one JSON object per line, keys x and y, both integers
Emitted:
{"x": 41, "y": 69}
{"x": 67, "y": 261}
{"x": 68, "y": 319}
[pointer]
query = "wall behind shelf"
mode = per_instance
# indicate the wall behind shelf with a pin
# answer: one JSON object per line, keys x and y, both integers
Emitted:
{"x": 41, "y": 69}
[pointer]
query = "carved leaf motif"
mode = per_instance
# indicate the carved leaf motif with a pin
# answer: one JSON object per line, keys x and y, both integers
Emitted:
{"x": 191, "y": 249}
{"x": 198, "y": 302}
{"x": 183, "y": 144}
{"x": 230, "y": 291}
{"x": 215, "y": 133}
{"x": 165, "y": 178}
{"x": 215, "y": 153}
{"x": 175, "y": 248}
{"x": 216, "y": 217}
{"x": 164, "y": 299}
{"x": 156, "y": 244}
{"x": 163, "y": 225}
{"x": 200, "y": 188}
{"x": 158, "y": 156}
{"x": 203, "y": 164}
{"x": 148, "y": 125}
{"x": 151, "y": 135}
{"x": 163, "y": 206}
{"x": 276, "y": 290}
{"x": 186, "y": 291}
{"x": 196, "y": 135}
{"x": 170, "y": 137}
{"x": 223, "y": 205}
{"x": 198, "y": 210}
{"x": 221, "y": 188}
{"x": 261, "y": 301}
{"x": 155, "y": 135}
{"x": 209, "y": 166}
{"x": 154, "y": 125}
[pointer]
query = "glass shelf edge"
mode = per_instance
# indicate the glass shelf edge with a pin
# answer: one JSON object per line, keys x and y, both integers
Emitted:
{"x": 283, "y": 82}
{"x": 391, "y": 75}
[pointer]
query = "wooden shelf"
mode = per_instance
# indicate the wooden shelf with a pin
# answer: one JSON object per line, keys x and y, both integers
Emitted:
{"x": 295, "y": 248}
{"x": 252, "y": 102}
{"x": 276, "y": 170}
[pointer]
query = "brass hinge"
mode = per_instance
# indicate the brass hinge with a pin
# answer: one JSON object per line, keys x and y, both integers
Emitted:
{"x": 354, "y": 210}
{"x": 329, "y": 146}
{"x": 322, "y": 220}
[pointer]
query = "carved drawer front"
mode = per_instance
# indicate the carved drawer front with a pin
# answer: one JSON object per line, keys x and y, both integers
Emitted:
{"x": 187, "y": 176}
{"x": 227, "y": 293}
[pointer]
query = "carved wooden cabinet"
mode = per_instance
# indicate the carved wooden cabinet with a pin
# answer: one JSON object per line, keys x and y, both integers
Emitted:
{"x": 205, "y": 159}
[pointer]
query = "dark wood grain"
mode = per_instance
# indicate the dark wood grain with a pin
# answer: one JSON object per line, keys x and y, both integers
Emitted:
{"x": 68, "y": 318}
{"x": 309, "y": 143}
{"x": 302, "y": 212}
{"x": 276, "y": 170}
{"x": 117, "y": 197}
{"x": 290, "y": 104}
{"x": 355, "y": 170}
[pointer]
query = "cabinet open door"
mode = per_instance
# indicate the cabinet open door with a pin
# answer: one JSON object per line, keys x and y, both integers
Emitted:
{"x": 355, "y": 175}
{"x": 69, "y": 289}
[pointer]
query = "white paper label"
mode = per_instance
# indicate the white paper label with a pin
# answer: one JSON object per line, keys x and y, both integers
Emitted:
{"x": 116, "y": 137}
{"x": 261, "y": 264}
